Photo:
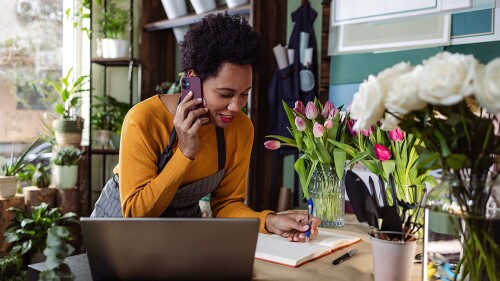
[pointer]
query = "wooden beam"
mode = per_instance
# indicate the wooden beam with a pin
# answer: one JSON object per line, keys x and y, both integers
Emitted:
{"x": 269, "y": 19}
{"x": 324, "y": 79}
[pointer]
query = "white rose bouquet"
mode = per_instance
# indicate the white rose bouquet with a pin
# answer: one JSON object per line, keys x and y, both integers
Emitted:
{"x": 451, "y": 103}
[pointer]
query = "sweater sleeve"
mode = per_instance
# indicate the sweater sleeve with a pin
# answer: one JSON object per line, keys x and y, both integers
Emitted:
{"x": 228, "y": 200}
{"x": 144, "y": 193}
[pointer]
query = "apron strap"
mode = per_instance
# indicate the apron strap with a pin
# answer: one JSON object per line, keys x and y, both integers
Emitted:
{"x": 221, "y": 147}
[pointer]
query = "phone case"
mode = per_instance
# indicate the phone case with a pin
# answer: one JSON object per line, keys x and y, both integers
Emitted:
{"x": 193, "y": 84}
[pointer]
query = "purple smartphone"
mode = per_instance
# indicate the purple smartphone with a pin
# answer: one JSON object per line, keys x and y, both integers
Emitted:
{"x": 193, "y": 84}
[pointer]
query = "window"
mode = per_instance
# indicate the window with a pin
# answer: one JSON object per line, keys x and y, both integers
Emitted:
{"x": 31, "y": 49}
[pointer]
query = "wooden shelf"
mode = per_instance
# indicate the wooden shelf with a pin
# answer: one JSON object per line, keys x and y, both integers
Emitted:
{"x": 115, "y": 61}
{"x": 108, "y": 151}
{"x": 192, "y": 18}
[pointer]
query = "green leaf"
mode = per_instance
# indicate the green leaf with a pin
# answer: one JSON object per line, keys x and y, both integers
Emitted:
{"x": 26, "y": 246}
{"x": 325, "y": 156}
{"x": 457, "y": 161}
{"x": 427, "y": 160}
{"x": 359, "y": 157}
{"x": 389, "y": 166}
{"x": 289, "y": 114}
{"x": 283, "y": 139}
{"x": 339, "y": 156}
{"x": 345, "y": 147}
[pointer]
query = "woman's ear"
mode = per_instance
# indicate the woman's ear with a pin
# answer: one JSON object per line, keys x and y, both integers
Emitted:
{"x": 190, "y": 73}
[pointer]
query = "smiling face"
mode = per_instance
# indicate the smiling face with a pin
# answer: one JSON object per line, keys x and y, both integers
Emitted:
{"x": 227, "y": 93}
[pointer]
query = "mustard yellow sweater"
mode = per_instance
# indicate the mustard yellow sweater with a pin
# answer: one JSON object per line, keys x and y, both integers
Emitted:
{"x": 145, "y": 134}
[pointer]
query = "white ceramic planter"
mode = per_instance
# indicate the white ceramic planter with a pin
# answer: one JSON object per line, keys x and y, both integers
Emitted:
{"x": 8, "y": 186}
{"x": 114, "y": 48}
{"x": 235, "y": 3}
{"x": 174, "y": 8}
{"x": 65, "y": 176}
{"x": 203, "y": 6}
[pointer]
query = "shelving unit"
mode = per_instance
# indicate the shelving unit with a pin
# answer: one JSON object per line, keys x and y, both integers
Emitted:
{"x": 192, "y": 18}
{"x": 106, "y": 63}
{"x": 158, "y": 62}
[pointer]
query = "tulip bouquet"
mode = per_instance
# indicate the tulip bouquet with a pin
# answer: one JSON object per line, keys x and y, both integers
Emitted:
{"x": 313, "y": 127}
{"x": 451, "y": 104}
{"x": 384, "y": 153}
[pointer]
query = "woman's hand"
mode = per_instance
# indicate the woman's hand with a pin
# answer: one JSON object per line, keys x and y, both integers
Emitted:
{"x": 187, "y": 125}
{"x": 291, "y": 226}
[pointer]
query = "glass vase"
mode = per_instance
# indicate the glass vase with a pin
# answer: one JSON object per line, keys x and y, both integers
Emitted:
{"x": 328, "y": 194}
{"x": 471, "y": 201}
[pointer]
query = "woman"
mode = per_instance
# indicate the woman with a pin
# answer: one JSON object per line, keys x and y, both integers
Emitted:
{"x": 222, "y": 51}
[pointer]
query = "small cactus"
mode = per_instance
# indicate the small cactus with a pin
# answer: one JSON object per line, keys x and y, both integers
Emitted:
{"x": 40, "y": 177}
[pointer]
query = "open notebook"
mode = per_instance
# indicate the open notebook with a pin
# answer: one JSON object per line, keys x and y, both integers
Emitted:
{"x": 277, "y": 249}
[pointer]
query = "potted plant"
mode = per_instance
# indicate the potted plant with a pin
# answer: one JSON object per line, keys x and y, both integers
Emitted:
{"x": 66, "y": 167}
{"x": 11, "y": 268}
{"x": 107, "y": 119}
{"x": 9, "y": 171}
{"x": 112, "y": 26}
{"x": 67, "y": 129}
{"x": 27, "y": 234}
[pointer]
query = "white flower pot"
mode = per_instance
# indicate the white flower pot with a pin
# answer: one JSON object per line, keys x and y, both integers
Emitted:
{"x": 65, "y": 176}
{"x": 203, "y": 6}
{"x": 8, "y": 186}
{"x": 235, "y": 3}
{"x": 114, "y": 48}
{"x": 174, "y": 8}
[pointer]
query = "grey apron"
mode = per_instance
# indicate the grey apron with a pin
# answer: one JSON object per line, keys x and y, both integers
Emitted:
{"x": 185, "y": 202}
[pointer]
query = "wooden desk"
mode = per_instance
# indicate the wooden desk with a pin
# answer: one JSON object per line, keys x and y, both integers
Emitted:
{"x": 359, "y": 267}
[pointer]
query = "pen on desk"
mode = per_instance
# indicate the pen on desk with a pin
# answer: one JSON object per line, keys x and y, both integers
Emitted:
{"x": 310, "y": 207}
{"x": 345, "y": 257}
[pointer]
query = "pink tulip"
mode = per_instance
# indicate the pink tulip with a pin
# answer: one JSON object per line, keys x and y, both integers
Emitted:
{"x": 318, "y": 130}
{"x": 300, "y": 108}
{"x": 396, "y": 135}
{"x": 327, "y": 109}
{"x": 328, "y": 124}
{"x": 368, "y": 132}
{"x": 300, "y": 123}
{"x": 333, "y": 112}
{"x": 311, "y": 111}
{"x": 350, "y": 124}
{"x": 272, "y": 144}
{"x": 382, "y": 152}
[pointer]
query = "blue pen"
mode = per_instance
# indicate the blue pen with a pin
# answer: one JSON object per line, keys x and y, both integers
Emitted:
{"x": 310, "y": 209}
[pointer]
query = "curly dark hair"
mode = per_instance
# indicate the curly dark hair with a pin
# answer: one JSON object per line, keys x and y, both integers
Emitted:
{"x": 216, "y": 39}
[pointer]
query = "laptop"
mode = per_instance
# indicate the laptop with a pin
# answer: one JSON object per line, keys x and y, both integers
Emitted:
{"x": 170, "y": 248}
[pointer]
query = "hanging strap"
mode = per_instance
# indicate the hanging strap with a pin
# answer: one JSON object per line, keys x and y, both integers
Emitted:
{"x": 167, "y": 153}
{"x": 221, "y": 147}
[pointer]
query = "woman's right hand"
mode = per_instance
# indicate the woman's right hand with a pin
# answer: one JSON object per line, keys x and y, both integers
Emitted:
{"x": 187, "y": 125}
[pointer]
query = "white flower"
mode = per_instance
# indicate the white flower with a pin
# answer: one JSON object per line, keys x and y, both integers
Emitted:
{"x": 388, "y": 75}
{"x": 389, "y": 122}
{"x": 447, "y": 78}
{"x": 402, "y": 96}
{"x": 367, "y": 104}
{"x": 488, "y": 83}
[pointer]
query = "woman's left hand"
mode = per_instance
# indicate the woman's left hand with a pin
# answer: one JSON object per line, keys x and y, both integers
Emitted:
{"x": 292, "y": 226}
